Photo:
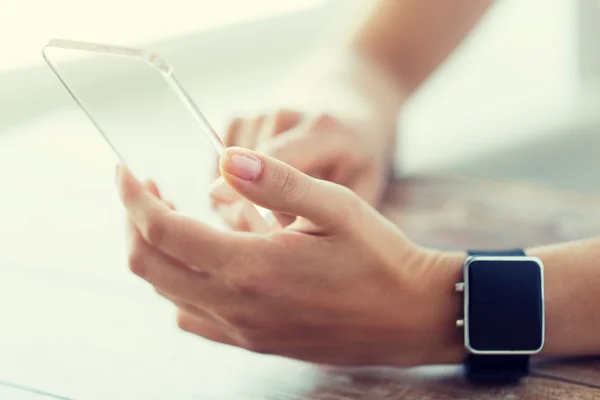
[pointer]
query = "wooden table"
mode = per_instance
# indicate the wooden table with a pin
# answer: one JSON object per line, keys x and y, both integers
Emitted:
{"x": 131, "y": 357}
{"x": 451, "y": 213}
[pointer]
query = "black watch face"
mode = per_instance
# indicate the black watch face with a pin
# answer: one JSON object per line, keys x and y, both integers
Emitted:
{"x": 505, "y": 305}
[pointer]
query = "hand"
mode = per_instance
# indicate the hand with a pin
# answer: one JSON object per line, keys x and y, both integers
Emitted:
{"x": 348, "y": 137}
{"x": 339, "y": 286}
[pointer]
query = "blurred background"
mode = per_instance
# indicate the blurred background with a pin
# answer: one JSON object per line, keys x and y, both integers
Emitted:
{"x": 528, "y": 73}
{"x": 519, "y": 100}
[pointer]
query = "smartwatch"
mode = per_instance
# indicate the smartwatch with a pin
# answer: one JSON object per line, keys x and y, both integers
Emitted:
{"x": 503, "y": 322}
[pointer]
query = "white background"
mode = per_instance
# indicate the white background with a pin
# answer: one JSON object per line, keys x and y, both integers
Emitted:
{"x": 26, "y": 25}
{"x": 518, "y": 77}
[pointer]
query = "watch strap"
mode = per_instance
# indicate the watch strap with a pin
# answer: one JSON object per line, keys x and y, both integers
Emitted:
{"x": 497, "y": 368}
{"x": 498, "y": 253}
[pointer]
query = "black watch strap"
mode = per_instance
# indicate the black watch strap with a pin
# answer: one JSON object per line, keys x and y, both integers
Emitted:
{"x": 497, "y": 368}
{"x": 500, "y": 368}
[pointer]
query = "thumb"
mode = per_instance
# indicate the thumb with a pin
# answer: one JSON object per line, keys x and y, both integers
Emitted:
{"x": 272, "y": 184}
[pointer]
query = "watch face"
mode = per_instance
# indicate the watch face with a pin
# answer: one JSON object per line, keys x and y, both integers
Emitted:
{"x": 504, "y": 305}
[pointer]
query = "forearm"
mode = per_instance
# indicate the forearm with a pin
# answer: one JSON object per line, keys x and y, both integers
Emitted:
{"x": 572, "y": 300}
{"x": 411, "y": 38}
{"x": 572, "y": 296}
{"x": 381, "y": 58}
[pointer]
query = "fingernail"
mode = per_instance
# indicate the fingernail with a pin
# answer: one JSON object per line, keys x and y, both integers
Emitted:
{"x": 243, "y": 165}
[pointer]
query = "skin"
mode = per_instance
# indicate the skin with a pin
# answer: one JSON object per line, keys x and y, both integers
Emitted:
{"x": 272, "y": 292}
{"x": 337, "y": 283}
{"x": 340, "y": 286}
{"x": 338, "y": 117}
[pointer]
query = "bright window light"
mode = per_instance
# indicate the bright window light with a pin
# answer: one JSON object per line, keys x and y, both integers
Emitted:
{"x": 26, "y": 25}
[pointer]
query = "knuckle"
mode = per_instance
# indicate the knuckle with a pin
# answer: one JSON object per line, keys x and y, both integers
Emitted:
{"x": 287, "y": 182}
{"x": 154, "y": 228}
{"x": 266, "y": 283}
{"x": 241, "y": 225}
{"x": 324, "y": 122}
{"x": 234, "y": 217}
{"x": 349, "y": 204}
{"x": 136, "y": 261}
{"x": 250, "y": 286}
{"x": 284, "y": 119}
{"x": 249, "y": 271}
{"x": 237, "y": 224}
{"x": 239, "y": 220}
{"x": 346, "y": 194}
{"x": 183, "y": 321}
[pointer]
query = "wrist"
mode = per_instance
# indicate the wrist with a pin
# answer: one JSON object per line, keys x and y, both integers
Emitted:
{"x": 432, "y": 308}
{"x": 571, "y": 281}
{"x": 447, "y": 270}
{"x": 570, "y": 278}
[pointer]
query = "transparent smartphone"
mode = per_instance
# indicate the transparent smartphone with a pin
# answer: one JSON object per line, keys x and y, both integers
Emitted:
{"x": 136, "y": 102}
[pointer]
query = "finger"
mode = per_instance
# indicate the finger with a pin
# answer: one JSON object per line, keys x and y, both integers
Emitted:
{"x": 237, "y": 212}
{"x": 277, "y": 123}
{"x": 153, "y": 188}
{"x": 300, "y": 149}
{"x": 192, "y": 324}
{"x": 230, "y": 138}
{"x": 249, "y": 132}
{"x": 279, "y": 187}
{"x": 242, "y": 216}
{"x": 195, "y": 311}
{"x": 169, "y": 275}
{"x": 283, "y": 219}
{"x": 181, "y": 237}
{"x": 232, "y": 132}
{"x": 221, "y": 193}
{"x": 234, "y": 217}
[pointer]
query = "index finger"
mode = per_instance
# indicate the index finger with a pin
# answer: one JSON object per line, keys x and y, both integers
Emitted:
{"x": 181, "y": 237}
